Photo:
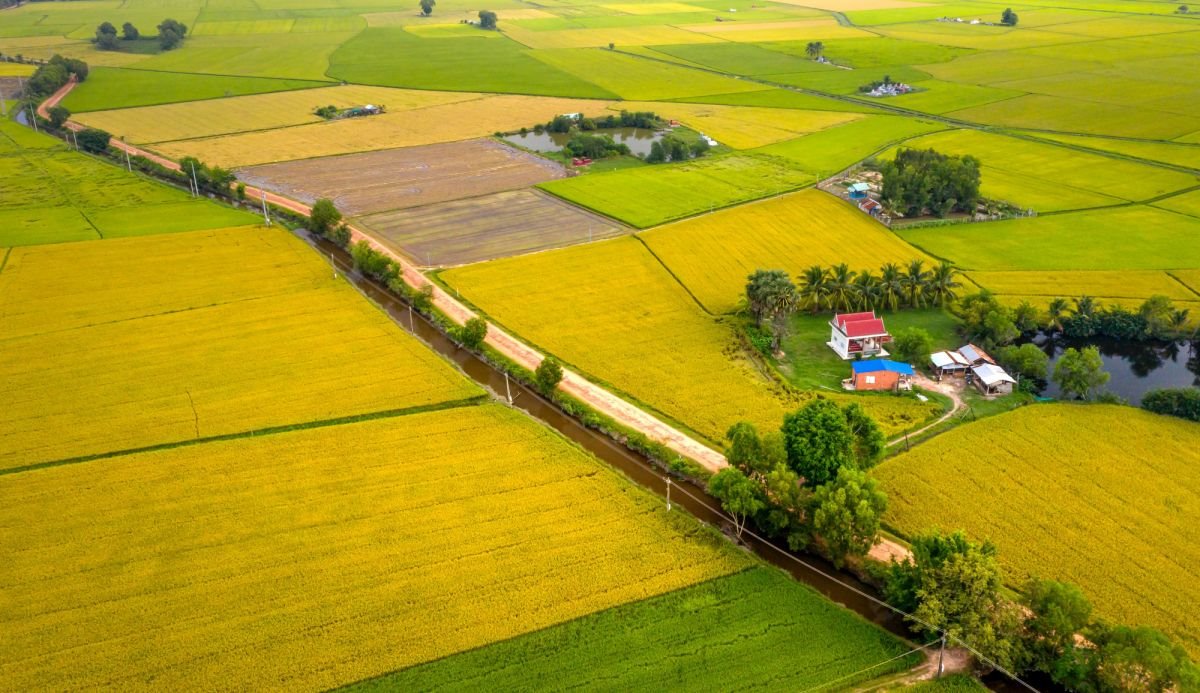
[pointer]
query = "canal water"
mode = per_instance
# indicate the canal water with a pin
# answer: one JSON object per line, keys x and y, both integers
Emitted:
{"x": 1135, "y": 367}
{"x": 841, "y": 587}
{"x": 637, "y": 139}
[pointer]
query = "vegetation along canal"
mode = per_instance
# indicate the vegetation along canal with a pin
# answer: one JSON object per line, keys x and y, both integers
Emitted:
{"x": 815, "y": 572}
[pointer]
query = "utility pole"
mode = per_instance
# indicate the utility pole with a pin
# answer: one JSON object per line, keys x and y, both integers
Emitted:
{"x": 74, "y": 137}
{"x": 941, "y": 654}
{"x": 3, "y": 105}
{"x": 128, "y": 165}
{"x": 507, "y": 389}
{"x": 266, "y": 214}
{"x": 413, "y": 328}
{"x": 668, "y": 494}
{"x": 195, "y": 181}
{"x": 33, "y": 118}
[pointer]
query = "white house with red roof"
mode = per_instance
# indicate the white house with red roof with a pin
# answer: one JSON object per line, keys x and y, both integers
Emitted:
{"x": 858, "y": 335}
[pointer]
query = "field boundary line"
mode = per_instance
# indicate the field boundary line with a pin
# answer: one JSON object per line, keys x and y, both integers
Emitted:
{"x": 1166, "y": 272}
{"x": 674, "y": 276}
{"x": 475, "y": 400}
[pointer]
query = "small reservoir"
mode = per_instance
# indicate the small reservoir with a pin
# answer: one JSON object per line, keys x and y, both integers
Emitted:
{"x": 637, "y": 139}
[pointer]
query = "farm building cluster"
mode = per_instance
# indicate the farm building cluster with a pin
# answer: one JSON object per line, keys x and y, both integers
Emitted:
{"x": 862, "y": 336}
{"x": 976, "y": 366}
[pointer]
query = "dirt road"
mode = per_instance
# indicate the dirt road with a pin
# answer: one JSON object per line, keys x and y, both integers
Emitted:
{"x": 946, "y": 389}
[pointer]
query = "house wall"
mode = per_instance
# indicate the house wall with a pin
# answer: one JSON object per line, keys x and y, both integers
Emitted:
{"x": 882, "y": 380}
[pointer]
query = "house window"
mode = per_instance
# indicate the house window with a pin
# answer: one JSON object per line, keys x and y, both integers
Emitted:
{"x": 870, "y": 380}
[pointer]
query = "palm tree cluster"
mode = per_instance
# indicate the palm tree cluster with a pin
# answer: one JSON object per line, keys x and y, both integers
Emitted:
{"x": 814, "y": 49}
{"x": 839, "y": 288}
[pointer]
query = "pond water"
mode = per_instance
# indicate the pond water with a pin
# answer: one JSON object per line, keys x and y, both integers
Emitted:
{"x": 637, "y": 139}
{"x": 1135, "y": 367}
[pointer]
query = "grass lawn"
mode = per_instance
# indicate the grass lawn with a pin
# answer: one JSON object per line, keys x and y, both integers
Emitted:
{"x": 388, "y": 56}
{"x": 650, "y": 195}
{"x": 809, "y": 364}
{"x": 1070, "y": 492}
{"x": 756, "y": 629}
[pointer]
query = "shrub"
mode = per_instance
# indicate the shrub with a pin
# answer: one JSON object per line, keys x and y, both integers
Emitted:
{"x": 93, "y": 140}
{"x": 473, "y": 333}
{"x": 1183, "y": 402}
{"x": 548, "y": 375}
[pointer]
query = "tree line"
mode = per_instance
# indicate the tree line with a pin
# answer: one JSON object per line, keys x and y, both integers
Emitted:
{"x": 170, "y": 34}
{"x": 807, "y": 484}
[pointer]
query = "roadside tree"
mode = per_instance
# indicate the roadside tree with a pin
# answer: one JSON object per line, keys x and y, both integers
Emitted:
{"x": 323, "y": 217}
{"x": 58, "y": 116}
{"x": 739, "y": 496}
{"x": 548, "y": 375}
{"x": 473, "y": 332}
{"x": 93, "y": 140}
{"x": 846, "y": 514}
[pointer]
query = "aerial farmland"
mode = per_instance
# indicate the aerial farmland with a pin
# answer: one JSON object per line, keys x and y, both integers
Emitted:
{"x": 840, "y": 345}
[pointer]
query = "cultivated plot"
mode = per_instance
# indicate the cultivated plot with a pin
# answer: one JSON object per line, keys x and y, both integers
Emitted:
{"x": 1061, "y": 510}
{"x": 224, "y": 116}
{"x": 650, "y": 195}
{"x": 712, "y": 255}
{"x": 111, "y": 87}
{"x": 745, "y": 127}
{"x": 314, "y": 558}
{"x": 1092, "y": 240}
{"x": 175, "y": 349}
{"x": 735, "y": 629}
{"x": 398, "y": 178}
{"x": 487, "y": 227}
{"x": 1048, "y": 284}
{"x": 441, "y": 123}
{"x": 832, "y": 150}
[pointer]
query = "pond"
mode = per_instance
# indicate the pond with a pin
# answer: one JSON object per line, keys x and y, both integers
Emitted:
{"x": 1135, "y": 367}
{"x": 637, "y": 139}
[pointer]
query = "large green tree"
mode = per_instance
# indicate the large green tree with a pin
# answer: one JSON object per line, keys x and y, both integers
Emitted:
{"x": 1059, "y": 611}
{"x": 772, "y": 298}
{"x": 739, "y": 496}
{"x": 323, "y": 217}
{"x": 912, "y": 344}
{"x": 1080, "y": 372}
{"x": 171, "y": 33}
{"x": 846, "y": 514}
{"x": 818, "y": 441}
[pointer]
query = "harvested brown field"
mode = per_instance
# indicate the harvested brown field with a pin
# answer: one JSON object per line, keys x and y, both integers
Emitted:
{"x": 399, "y": 178}
{"x": 487, "y": 227}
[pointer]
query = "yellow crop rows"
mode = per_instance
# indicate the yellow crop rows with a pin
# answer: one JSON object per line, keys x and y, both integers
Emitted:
{"x": 310, "y": 559}
{"x": 175, "y": 345}
{"x": 1097, "y": 283}
{"x": 1100, "y": 495}
{"x": 256, "y": 112}
{"x": 713, "y": 254}
{"x": 610, "y": 309}
{"x": 745, "y": 127}
{"x": 444, "y": 123}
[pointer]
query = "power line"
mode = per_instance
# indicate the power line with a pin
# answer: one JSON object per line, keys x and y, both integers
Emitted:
{"x": 863, "y": 671}
{"x": 852, "y": 588}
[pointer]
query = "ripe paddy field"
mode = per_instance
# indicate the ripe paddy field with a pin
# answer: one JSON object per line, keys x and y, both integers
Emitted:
{"x": 1100, "y": 495}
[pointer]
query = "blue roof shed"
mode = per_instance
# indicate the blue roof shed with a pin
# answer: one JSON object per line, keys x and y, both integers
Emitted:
{"x": 876, "y": 365}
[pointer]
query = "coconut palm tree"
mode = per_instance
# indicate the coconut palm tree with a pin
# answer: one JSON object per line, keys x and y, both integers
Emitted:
{"x": 763, "y": 289}
{"x": 866, "y": 290}
{"x": 1055, "y": 312}
{"x": 1085, "y": 306}
{"x": 814, "y": 49}
{"x": 916, "y": 283}
{"x": 943, "y": 281}
{"x": 814, "y": 287}
{"x": 891, "y": 286}
{"x": 841, "y": 287}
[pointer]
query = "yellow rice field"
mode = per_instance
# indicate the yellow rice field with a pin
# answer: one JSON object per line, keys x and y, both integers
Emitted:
{"x": 309, "y": 559}
{"x": 1100, "y": 495}
{"x": 15, "y": 70}
{"x": 745, "y": 127}
{"x": 176, "y": 344}
{"x": 1097, "y": 283}
{"x": 194, "y": 119}
{"x": 445, "y": 123}
{"x": 611, "y": 310}
{"x": 596, "y": 38}
{"x": 713, "y": 254}
{"x": 791, "y": 30}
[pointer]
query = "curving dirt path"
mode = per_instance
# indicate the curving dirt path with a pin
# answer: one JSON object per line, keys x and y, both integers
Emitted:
{"x": 946, "y": 389}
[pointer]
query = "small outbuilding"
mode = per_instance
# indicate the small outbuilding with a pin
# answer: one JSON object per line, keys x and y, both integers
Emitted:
{"x": 855, "y": 335}
{"x": 948, "y": 363}
{"x": 858, "y": 191}
{"x": 879, "y": 374}
{"x": 992, "y": 380}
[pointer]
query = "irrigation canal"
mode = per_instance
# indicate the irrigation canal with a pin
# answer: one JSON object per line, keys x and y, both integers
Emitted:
{"x": 839, "y": 586}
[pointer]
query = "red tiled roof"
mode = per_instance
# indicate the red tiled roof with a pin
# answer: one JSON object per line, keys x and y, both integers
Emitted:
{"x": 842, "y": 318}
{"x": 864, "y": 328}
